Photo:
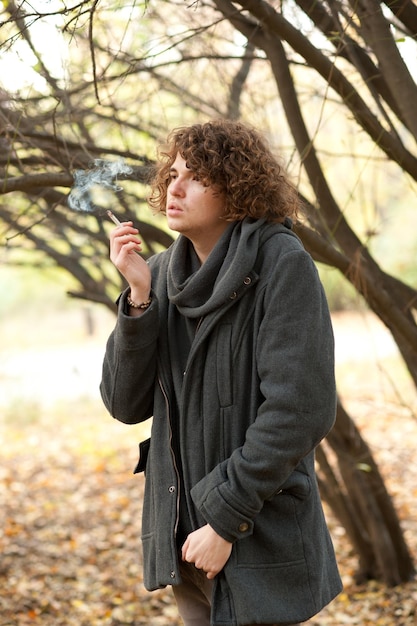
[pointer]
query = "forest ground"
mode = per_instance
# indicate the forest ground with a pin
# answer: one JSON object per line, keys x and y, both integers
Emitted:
{"x": 71, "y": 507}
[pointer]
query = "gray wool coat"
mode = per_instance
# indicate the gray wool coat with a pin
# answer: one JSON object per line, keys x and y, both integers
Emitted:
{"x": 258, "y": 395}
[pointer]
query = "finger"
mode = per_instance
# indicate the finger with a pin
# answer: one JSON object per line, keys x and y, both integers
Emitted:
{"x": 122, "y": 230}
{"x": 127, "y": 238}
{"x": 184, "y": 550}
{"x": 132, "y": 246}
{"x": 127, "y": 243}
{"x": 120, "y": 254}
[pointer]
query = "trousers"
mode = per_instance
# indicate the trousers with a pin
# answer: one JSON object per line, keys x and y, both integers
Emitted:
{"x": 193, "y": 597}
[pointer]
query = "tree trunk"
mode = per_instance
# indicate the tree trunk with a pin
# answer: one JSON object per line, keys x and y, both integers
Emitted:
{"x": 354, "y": 489}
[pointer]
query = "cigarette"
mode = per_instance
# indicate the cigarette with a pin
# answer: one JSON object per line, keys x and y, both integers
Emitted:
{"x": 114, "y": 218}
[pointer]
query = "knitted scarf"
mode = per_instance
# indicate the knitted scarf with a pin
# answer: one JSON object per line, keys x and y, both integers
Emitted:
{"x": 196, "y": 291}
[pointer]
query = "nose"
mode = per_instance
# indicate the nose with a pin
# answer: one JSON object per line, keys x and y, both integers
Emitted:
{"x": 176, "y": 187}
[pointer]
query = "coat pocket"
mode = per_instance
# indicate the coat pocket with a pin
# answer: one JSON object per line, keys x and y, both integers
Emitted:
{"x": 277, "y": 538}
{"x": 143, "y": 456}
{"x": 297, "y": 485}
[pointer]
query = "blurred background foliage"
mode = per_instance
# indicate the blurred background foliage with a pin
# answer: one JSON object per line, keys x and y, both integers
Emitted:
{"x": 332, "y": 85}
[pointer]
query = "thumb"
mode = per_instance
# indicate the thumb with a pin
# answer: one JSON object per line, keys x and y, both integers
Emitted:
{"x": 184, "y": 549}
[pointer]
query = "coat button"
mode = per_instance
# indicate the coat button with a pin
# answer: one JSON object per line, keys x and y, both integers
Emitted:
{"x": 243, "y": 527}
{"x": 233, "y": 295}
{"x": 247, "y": 280}
{"x": 172, "y": 574}
{"x": 171, "y": 489}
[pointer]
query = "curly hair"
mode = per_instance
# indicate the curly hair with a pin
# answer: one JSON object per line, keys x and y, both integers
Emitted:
{"x": 235, "y": 160}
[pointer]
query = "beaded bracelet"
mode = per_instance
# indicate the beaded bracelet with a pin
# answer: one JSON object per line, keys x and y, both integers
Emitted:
{"x": 142, "y": 305}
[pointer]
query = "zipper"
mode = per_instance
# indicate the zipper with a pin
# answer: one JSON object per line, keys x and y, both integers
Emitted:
{"x": 174, "y": 461}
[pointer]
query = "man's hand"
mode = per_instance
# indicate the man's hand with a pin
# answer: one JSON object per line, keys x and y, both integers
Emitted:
{"x": 124, "y": 248}
{"x": 207, "y": 550}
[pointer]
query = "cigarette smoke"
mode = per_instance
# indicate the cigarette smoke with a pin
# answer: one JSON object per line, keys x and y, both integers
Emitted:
{"x": 103, "y": 176}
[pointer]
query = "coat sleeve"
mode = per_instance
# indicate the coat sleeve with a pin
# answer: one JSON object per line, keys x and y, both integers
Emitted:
{"x": 129, "y": 366}
{"x": 295, "y": 366}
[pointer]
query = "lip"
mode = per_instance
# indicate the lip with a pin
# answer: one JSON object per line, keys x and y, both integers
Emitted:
{"x": 173, "y": 209}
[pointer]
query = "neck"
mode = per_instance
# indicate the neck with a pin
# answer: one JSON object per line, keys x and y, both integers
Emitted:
{"x": 205, "y": 244}
{"x": 202, "y": 252}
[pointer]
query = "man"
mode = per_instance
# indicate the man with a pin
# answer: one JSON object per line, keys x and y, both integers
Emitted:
{"x": 226, "y": 340}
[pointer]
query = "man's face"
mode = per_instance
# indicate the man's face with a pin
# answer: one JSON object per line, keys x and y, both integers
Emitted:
{"x": 193, "y": 209}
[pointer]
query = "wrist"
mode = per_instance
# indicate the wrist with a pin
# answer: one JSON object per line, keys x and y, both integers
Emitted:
{"x": 136, "y": 301}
